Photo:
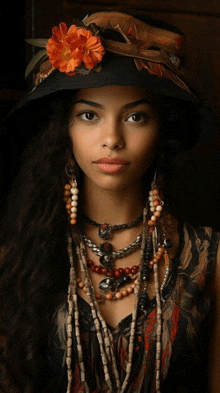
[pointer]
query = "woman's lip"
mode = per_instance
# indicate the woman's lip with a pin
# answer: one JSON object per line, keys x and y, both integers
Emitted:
{"x": 111, "y": 168}
{"x": 112, "y": 161}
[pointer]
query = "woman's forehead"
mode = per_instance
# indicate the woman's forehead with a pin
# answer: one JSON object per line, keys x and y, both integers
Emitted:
{"x": 116, "y": 92}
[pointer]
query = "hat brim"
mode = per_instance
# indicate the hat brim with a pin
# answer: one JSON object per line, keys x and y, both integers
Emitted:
{"x": 118, "y": 70}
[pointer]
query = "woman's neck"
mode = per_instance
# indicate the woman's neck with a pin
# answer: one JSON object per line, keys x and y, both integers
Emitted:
{"x": 113, "y": 207}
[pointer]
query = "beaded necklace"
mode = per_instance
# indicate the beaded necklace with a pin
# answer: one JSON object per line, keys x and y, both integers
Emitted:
{"x": 105, "y": 230}
{"x": 151, "y": 252}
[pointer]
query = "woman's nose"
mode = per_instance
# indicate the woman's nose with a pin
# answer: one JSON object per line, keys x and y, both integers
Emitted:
{"x": 112, "y": 136}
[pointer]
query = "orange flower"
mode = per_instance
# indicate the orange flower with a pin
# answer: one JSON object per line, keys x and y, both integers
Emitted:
{"x": 90, "y": 47}
{"x": 68, "y": 48}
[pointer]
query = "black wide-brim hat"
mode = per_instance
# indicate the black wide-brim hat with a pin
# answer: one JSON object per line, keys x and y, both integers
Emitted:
{"x": 136, "y": 54}
{"x": 118, "y": 70}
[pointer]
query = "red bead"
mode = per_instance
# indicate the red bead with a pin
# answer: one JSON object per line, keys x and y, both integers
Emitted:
{"x": 104, "y": 270}
{"x": 98, "y": 269}
{"x": 110, "y": 274}
{"x": 93, "y": 268}
{"x": 121, "y": 270}
{"x": 127, "y": 270}
{"x": 117, "y": 274}
{"x": 104, "y": 226}
{"x": 90, "y": 262}
{"x": 135, "y": 267}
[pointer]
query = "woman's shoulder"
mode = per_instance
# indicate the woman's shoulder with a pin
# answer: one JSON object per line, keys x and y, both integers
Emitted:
{"x": 201, "y": 236}
{"x": 199, "y": 258}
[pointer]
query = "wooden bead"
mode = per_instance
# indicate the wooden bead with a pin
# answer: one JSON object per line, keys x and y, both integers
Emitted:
{"x": 73, "y": 221}
{"x": 109, "y": 296}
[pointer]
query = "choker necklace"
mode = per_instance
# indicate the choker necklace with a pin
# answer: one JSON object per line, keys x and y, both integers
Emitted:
{"x": 105, "y": 230}
{"x": 106, "y": 253}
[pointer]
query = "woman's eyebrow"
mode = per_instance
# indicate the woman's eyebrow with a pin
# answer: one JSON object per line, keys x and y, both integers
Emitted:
{"x": 97, "y": 105}
{"x": 136, "y": 103}
{"x": 87, "y": 102}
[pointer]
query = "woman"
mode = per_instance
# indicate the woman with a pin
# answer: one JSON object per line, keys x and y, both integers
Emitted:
{"x": 114, "y": 292}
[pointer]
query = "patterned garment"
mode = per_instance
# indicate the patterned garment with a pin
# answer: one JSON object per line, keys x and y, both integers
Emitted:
{"x": 186, "y": 314}
{"x": 186, "y": 331}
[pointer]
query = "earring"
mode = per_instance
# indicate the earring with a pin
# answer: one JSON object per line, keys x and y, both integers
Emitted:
{"x": 71, "y": 191}
{"x": 156, "y": 204}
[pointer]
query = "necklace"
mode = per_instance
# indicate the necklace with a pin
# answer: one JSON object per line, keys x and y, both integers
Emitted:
{"x": 105, "y": 230}
{"x": 106, "y": 253}
{"x": 153, "y": 246}
{"x": 116, "y": 295}
{"x": 116, "y": 273}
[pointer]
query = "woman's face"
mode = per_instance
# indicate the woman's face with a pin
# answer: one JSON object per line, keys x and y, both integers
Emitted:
{"x": 114, "y": 132}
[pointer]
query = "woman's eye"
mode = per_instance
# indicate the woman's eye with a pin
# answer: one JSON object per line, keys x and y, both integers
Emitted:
{"x": 88, "y": 116}
{"x": 137, "y": 117}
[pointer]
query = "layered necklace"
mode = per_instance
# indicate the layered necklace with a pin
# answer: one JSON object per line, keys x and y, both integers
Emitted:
{"x": 154, "y": 246}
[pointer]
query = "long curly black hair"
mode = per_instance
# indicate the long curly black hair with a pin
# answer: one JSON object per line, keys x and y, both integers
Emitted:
{"x": 35, "y": 267}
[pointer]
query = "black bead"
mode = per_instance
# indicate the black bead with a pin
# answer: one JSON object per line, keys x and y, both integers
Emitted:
{"x": 145, "y": 274}
{"x": 122, "y": 281}
{"x": 167, "y": 243}
{"x": 143, "y": 302}
{"x": 106, "y": 248}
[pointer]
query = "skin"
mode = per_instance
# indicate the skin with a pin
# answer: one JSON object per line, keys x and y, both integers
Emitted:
{"x": 105, "y": 127}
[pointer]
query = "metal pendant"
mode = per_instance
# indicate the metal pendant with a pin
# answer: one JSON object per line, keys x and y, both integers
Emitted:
{"x": 106, "y": 261}
{"x": 105, "y": 231}
{"x": 106, "y": 284}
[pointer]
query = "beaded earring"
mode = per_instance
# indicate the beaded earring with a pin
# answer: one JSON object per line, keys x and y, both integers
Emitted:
{"x": 71, "y": 191}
